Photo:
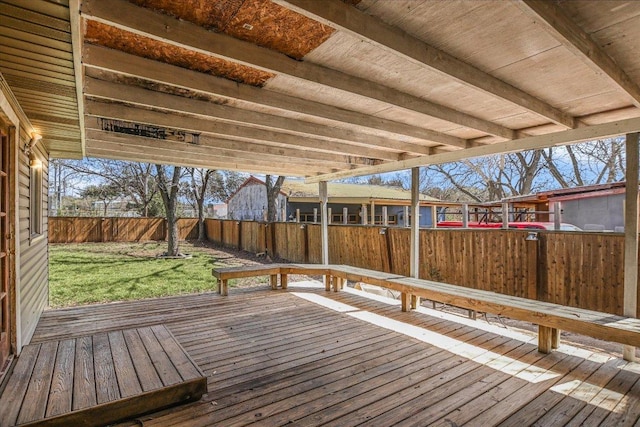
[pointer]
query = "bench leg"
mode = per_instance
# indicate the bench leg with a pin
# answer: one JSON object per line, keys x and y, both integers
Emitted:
{"x": 274, "y": 281}
{"x": 328, "y": 281}
{"x": 283, "y": 281}
{"x": 219, "y": 285}
{"x": 415, "y": 302}
{"x": 341, "y": 282}
{"x": 406, "y": 301}
{"x": 545, "y": 338}
{"x": 223, "y": 288}
{"x": 555, "y": 338}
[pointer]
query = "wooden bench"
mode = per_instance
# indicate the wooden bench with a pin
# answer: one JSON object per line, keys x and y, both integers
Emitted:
{"x": 550, "y": 318}
{"x": 223, "y": 275}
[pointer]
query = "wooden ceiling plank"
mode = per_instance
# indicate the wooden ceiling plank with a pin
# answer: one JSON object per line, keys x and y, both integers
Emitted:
{"x": 148, "y": 98}
{"x": 338, "y": 14}
{"x": 209, "y": 142}
{"x": 163, "y": 28}
{"x": 567, "y": 137}
{"x": 20, "y": 66}
{"x": 130, "y": 65}
{"x": 551, "y": 16}
{"x": 36, "y": 58}
{"x": 126, "y": 113}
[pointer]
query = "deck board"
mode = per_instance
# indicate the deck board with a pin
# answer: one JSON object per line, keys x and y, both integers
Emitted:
{"x": 283, "y": 358}
{"x": 93, "y": 380}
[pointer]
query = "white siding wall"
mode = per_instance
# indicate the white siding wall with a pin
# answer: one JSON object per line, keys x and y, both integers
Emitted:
{"x": 250, "y": 203}
{"x": 34, "y": 254}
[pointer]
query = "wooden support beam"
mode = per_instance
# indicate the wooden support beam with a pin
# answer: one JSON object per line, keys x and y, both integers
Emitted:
{"x": 324, "y": 221}
{"x": 148, "y": 148}
{"x": 414, "y": 262}
{"x": 249, "y": 97}
{"x": 124, "y": 15}
{"x": 345, "y": 17}
{"x": 546, "y": 339}
{"x": 231, "y": 115}
{"x": 630, "y": 299}
{"x": 227, "y": 130}
{"x": 567, "y": 137}
{"x": 552, "y": 18}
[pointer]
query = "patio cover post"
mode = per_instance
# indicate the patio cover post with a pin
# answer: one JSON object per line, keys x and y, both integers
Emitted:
{"x": 631, "y": 236}
{"x": 414, "y": 269}
{"x": 324, "y": 221}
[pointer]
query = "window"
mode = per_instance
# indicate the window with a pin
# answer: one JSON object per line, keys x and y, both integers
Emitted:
{"x": 35, "y": 199}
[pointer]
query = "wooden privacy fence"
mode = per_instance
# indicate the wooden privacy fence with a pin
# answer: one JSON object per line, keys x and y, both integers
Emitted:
{"x": 570, "y": 268}
{"x": 90, "y": 229}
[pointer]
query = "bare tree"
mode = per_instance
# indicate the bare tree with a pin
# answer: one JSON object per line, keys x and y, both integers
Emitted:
{"x": 169, "y": 189}
{"x": 273, "y": 188}
{"x": 105, "y": 193}
{"x": 198, "y": 190}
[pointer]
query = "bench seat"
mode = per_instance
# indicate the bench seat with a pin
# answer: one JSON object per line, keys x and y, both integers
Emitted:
{"x": 550, "y": 317}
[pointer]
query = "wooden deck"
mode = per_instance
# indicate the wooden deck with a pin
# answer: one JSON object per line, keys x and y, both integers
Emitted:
{"x": 308, "y": 357}
{"x": 98, "y": 379}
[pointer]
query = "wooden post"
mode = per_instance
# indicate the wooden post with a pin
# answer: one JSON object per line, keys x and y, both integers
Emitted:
{"x": 324, "y": 222}
{"x": 373, "y": 213}
{"x": 345, "y": 216}
{"x": 505, "y": 215}
{"x": 434, "y": 217}
{"x": 465, "y": 215}
{"x": 329, "y": 219}
{"x": 297, "y": 215}
{"x": 557, "y": 215}
{"x": 415, "y": 230}
{"x": 545, "y": 339}
{"x": 315, "y": 215}
{"x": 406, "y": 216}
{"x": 363, "y": 214}
{"x": 385, "y": 216}
{"x": 631, "y": 237}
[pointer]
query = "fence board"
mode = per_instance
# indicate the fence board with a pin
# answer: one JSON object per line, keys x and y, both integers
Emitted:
{"x": 570, "y": 268}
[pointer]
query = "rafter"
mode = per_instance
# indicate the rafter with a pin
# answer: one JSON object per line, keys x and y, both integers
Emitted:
{"x": 551, "y": 16}
{"x": 567, "y": 137}
{"x": 147, "y": 23}
{"x": 257, "y": 151}
{"x": 101, "y": 58}
{"x": 338, "y": 14}
{"x": 225, "y": 130}
{"x": 226, "y": 114}
{"x": 154, "y": 150}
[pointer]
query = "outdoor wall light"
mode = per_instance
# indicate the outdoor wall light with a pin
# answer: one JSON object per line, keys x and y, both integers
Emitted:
{"x": 29, "y": 146}
{"x": 532, "y": 236}
{"x": 34, "y": 162}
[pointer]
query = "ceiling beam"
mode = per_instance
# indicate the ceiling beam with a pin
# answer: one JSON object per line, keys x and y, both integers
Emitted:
{"x": 147, "y": 23}
{"x": 151, "y": 150}
{"x": 101, "y": 58}
{"x": 551, "y": 16}
{"x": 76, "y": 47}
{"x": 118, "y": 152}
{"x": 225, "y": 130}
{"x": 567, "y": 137}
{"x": 179, "y": 104}
{"x": 344, "y": 17}
{"x": 255, "y": 150}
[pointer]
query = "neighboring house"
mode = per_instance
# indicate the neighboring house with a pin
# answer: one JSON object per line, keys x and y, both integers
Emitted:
{"x": 217, "y": 210}
{"x": 364, "y": 204}
{"x": 592, "y": 207}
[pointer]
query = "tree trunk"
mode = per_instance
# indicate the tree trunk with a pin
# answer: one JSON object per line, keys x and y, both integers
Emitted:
{"x": 272, "y": 194}
{"x": 169, "y": 192}
{"x": 202, "y": 230}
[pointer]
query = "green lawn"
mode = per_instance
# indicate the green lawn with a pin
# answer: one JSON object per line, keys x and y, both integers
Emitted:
{"x": 103, "y": 272}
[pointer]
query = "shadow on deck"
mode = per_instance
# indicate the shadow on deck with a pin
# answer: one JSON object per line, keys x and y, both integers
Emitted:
{"x": 309, "y": 357}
